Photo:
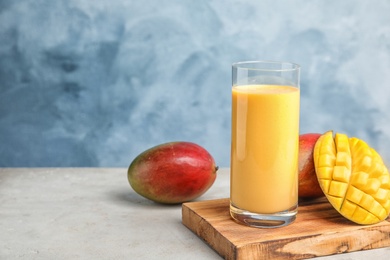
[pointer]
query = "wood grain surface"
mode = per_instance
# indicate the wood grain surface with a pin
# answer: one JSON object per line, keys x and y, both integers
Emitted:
{"x": 319, "y": 230}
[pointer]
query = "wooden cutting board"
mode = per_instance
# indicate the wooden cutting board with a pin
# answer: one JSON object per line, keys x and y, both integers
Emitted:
{"x": 319, "y": 230}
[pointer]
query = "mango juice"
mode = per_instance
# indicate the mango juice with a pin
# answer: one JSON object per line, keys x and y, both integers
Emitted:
{"x": 264, "y": 152}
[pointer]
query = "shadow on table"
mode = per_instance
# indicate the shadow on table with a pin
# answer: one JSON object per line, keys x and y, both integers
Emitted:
{"x": 131, "y": 199}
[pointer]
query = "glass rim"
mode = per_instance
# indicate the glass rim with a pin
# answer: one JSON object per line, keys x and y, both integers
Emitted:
{"x": 241, "y": 65}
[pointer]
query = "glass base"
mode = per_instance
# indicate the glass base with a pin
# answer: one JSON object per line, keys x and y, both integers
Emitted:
{"x": 273, "y": 220}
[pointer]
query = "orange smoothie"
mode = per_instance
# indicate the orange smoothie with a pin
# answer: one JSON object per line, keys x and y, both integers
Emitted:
{"x": 264, "y": 152}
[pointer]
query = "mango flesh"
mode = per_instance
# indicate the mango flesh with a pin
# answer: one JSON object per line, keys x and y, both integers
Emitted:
{"x": 353, "y": 177}
{"x": 173, "y": 172}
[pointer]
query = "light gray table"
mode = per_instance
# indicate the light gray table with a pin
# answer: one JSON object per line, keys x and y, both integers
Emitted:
{"x": 92, "y": 213}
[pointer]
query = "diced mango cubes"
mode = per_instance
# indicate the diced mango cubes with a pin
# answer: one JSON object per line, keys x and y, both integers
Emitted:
{"x": 353, "y": 177}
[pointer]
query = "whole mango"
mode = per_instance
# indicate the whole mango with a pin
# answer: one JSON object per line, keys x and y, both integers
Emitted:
{"x": 308, "y": 182}
{"x": 172, "y": 173}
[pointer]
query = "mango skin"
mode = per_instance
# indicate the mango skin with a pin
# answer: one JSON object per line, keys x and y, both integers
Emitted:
{"x": 173, "y": 172}
{"x": 307, "y": 178}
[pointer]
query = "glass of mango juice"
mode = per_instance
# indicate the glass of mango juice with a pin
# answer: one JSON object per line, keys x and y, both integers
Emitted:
{"x": 264, "y": 143}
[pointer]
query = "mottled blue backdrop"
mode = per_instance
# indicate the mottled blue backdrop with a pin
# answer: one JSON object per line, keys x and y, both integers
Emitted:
{"x": 94, "y": 83}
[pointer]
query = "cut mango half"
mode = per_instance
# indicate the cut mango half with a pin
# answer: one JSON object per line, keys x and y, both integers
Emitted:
{"x": 353, "y": 177}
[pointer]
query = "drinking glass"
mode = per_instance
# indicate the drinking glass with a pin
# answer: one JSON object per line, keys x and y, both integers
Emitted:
{"x": 264, "y": 143}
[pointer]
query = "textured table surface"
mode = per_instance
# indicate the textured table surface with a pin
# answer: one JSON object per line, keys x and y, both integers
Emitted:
{"x": 92, "y": 213}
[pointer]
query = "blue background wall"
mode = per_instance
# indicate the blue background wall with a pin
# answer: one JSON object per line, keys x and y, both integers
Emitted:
{"x": 94, "y": 83}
